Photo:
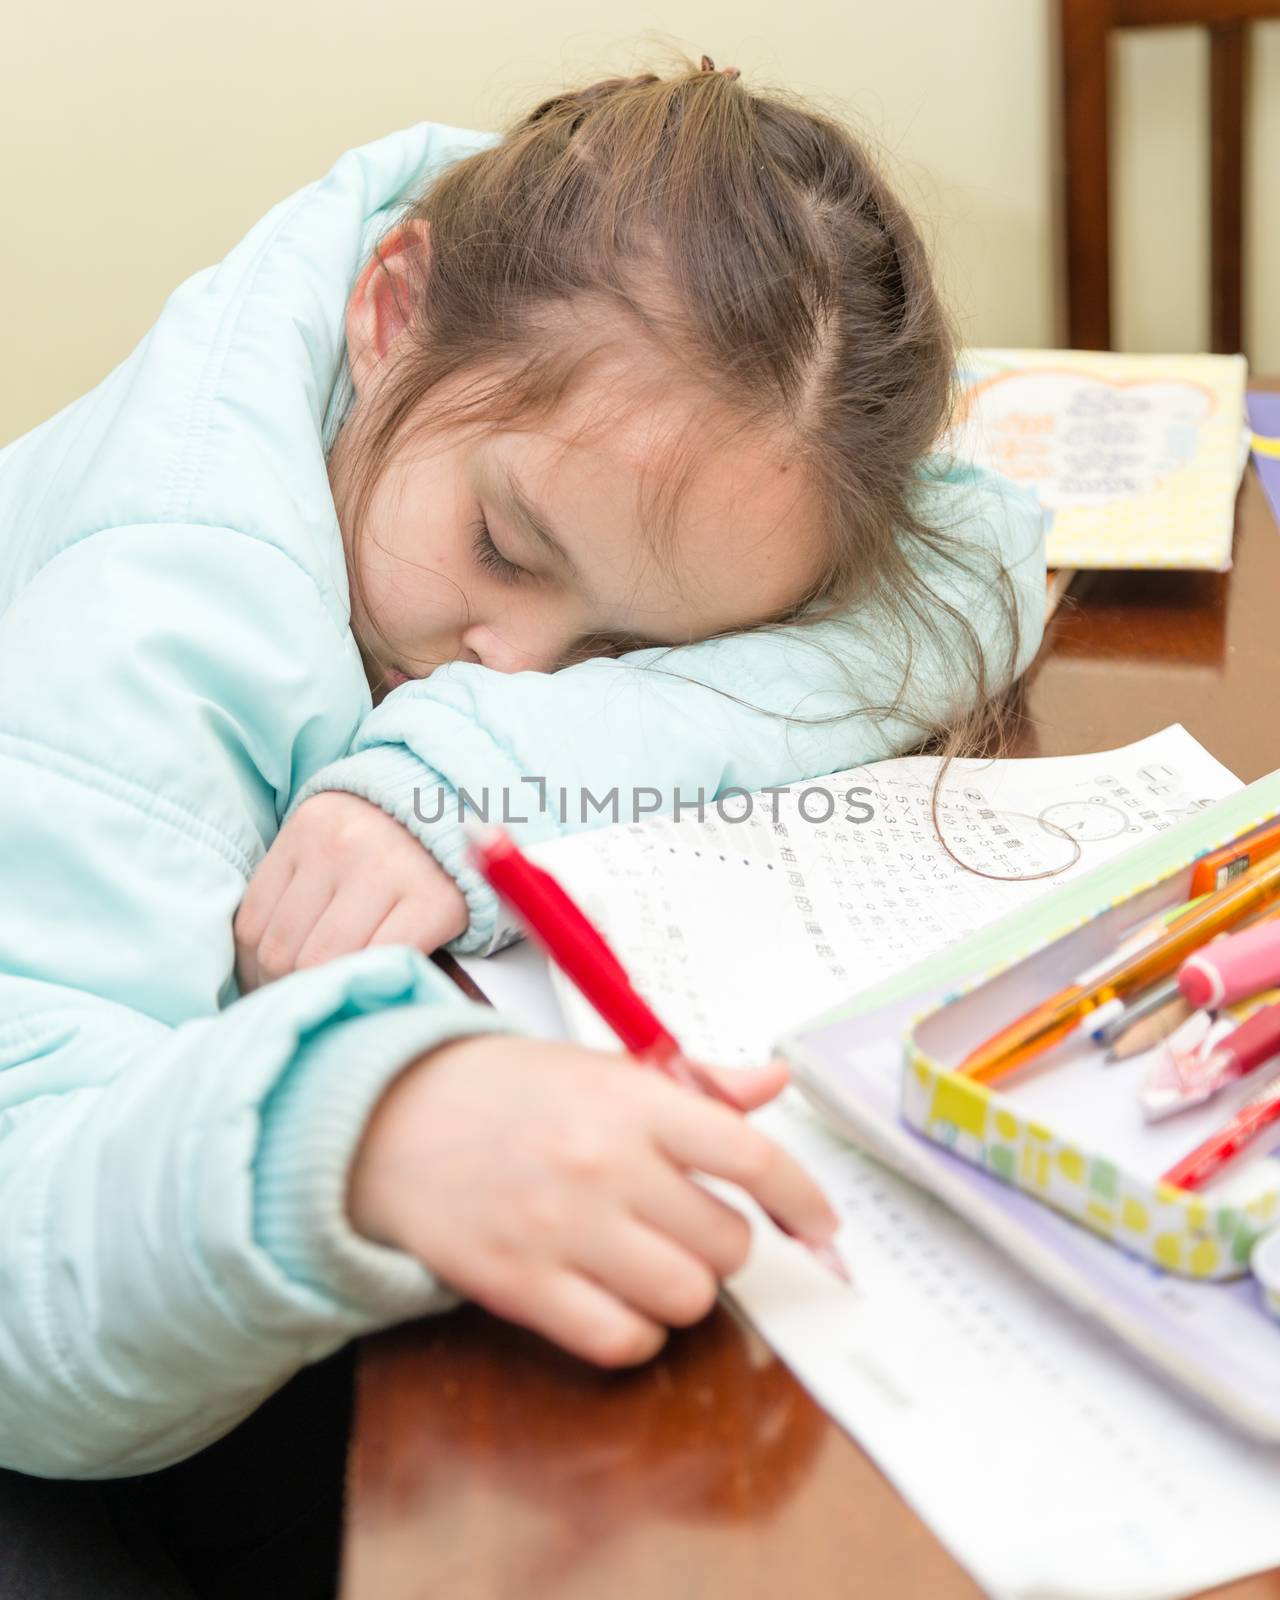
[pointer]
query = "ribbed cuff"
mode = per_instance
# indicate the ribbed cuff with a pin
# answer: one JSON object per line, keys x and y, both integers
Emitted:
{"x": 312, "y": 1123}
{"x": 390, "y": 777}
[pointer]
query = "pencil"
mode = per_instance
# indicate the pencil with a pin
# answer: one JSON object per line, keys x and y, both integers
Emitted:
{"x": 1154, "y": 999}
{"x": 1144, "y": 1033}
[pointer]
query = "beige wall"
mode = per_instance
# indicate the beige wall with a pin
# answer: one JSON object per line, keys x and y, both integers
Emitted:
{"x": 139, "y": 139}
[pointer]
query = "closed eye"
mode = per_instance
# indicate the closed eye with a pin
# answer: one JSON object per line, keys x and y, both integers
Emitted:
{"x": 488, "y": 556}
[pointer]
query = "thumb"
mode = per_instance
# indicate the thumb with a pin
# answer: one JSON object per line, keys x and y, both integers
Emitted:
{"x": 745, "y": 1087}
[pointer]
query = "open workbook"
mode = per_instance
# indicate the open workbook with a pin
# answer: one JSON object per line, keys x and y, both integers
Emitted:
{"x": 1096, "y": 1478}
{"x": 772, "y": 909}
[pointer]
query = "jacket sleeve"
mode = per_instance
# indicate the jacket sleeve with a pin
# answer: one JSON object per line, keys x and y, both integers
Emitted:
{"x": 173, "y": 1236}
{"x": 614, "y": 740}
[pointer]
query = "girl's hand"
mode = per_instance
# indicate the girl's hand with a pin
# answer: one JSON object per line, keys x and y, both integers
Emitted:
{"x": 553, "y": 1185}
{"x": 340, "y": 876}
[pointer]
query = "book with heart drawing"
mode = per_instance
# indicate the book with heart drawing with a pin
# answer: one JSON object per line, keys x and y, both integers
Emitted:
{"x": 1136, "y": 458}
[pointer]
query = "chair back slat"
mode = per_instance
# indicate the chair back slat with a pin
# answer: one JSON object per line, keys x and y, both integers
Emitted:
{"x": 1227, "y": 44}
{"x": 1084, "y": 29}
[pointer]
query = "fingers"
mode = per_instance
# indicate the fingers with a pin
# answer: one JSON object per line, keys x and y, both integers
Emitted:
{"x": 711, "y": 1138}
{"x": 346, "y": 923}
{"x": 289, "y": 925}
{"x": 612, "y": 1303}
{"x": 682, "y": 1210}
{"x": 266, "y": 888}
{"x": 341, "y": 875}
{"x": 649, "y": 1272}
{"x": 424, "y": 926}
{"x": 568, "y": 1308}
{"x": 747, "y": 1087}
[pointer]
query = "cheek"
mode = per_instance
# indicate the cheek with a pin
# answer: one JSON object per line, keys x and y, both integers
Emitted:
{"x": 416, "y": 558}
{"x": 420, "y": 592}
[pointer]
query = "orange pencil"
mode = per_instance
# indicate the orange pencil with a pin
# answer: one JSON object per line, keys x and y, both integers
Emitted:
{"x": 1051, "y": 1021}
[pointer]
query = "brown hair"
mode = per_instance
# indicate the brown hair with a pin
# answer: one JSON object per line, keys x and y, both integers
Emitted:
{"x": 757, "y": 243}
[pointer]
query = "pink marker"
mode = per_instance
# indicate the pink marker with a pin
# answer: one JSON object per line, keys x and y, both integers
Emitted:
{"x": 1233, "y": 968}
{"x": 1189, "y": 1068}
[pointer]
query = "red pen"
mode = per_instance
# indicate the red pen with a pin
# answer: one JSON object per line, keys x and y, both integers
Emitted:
{"x": 1221, "y": 1148}
{"x": 564, "y": 932}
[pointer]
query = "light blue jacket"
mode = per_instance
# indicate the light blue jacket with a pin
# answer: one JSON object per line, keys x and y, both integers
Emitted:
{"x": 176, "y": 672}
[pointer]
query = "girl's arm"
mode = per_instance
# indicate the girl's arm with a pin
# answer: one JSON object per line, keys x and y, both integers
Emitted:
{"x": 195, "y": 1203}
{"x": 599, "y": 742}
{"x": 174, "y": 1239}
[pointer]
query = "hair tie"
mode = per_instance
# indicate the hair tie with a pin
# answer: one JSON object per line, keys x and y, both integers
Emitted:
{"x": 708, "y": 65}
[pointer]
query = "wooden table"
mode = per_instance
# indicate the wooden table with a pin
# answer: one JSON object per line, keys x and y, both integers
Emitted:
{"x": 486, "y": 1464}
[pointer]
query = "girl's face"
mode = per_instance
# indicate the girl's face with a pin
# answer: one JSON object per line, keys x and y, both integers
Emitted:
{"x": 527, "y": 550}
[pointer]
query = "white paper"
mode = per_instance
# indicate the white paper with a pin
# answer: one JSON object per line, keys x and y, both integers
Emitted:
{"x": 518, "y": 983}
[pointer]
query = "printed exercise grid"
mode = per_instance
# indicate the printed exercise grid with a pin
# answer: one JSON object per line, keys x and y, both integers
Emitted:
{"x": 738, "y": 931}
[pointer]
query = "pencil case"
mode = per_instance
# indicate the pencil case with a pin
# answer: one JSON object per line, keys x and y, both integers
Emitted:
{"x": 1068, "y": 1130}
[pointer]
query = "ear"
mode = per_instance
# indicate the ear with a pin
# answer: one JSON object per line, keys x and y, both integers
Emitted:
{"x": 378, "y": 309}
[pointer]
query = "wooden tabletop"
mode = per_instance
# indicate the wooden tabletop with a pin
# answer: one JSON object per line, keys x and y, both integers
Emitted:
{"x": 487, "y": 1465}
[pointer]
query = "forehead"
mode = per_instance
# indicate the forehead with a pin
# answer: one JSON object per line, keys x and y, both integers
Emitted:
{"x": 669, "y": 504}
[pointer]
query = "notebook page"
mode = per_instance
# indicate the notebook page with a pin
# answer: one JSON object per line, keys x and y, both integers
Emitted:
{"x": 1047, "y": 1461}
{"x": 738, "y": 929}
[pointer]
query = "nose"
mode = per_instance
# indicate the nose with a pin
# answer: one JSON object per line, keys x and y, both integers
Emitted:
{"x": 532, "y": 647}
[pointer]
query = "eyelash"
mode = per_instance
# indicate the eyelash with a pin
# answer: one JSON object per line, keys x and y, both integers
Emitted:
{"x": 489, "y": 557}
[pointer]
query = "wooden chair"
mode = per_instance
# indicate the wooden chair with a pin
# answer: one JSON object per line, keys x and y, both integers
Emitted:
{"x": 1085, "y": 27}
